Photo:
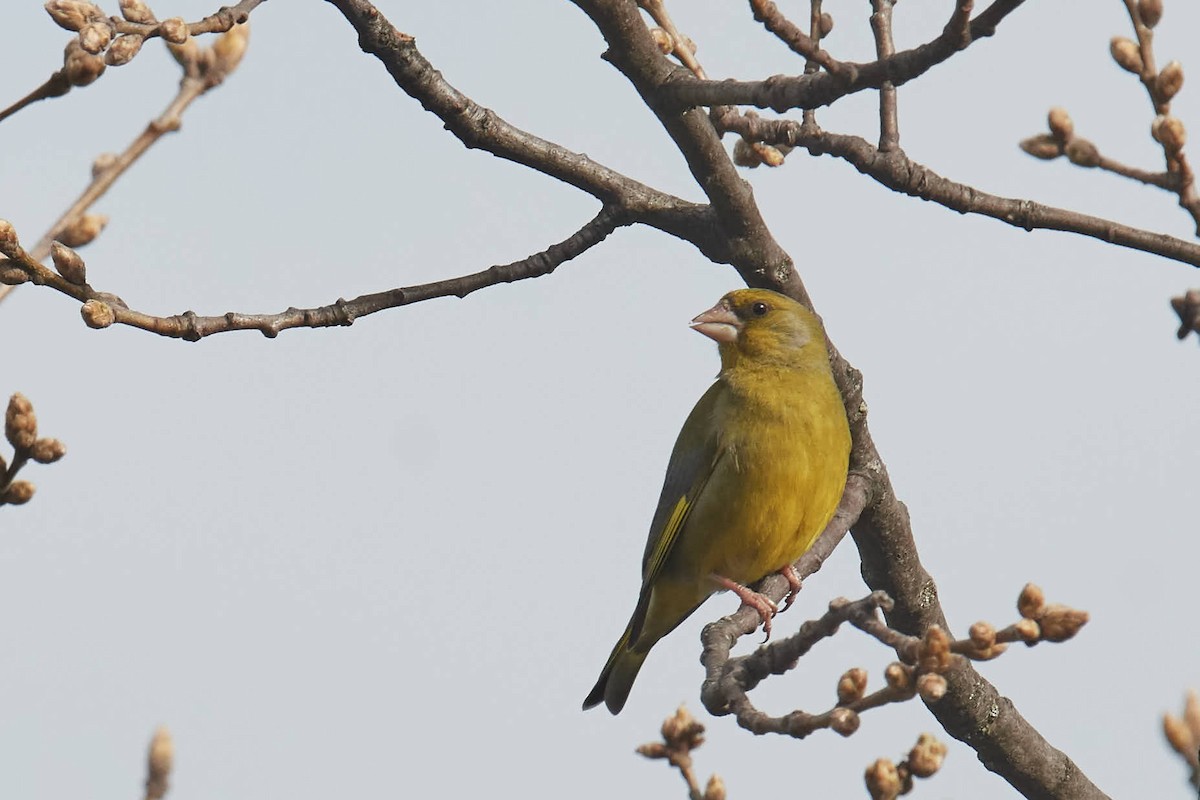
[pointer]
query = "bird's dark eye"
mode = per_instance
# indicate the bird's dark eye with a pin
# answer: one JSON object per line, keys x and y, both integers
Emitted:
{"x": 759, "y": 309}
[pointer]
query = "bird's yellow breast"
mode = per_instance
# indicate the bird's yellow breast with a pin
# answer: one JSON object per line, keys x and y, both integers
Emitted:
{"x": 781, "y": 467}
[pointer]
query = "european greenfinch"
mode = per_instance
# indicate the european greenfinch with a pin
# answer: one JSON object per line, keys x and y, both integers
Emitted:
{"x": 755, "y": 475}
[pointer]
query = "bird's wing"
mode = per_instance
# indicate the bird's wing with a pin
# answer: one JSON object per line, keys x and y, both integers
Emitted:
{"x": 693, "y": 461}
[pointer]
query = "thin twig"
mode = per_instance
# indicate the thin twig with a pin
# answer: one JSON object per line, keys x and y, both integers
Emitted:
{"x": 885, "y": 48}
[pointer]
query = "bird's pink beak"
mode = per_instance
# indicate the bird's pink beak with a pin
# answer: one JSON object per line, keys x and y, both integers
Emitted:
{"x": 718, "y": 323}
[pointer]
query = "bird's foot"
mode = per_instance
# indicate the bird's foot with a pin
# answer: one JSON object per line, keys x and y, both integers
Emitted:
{"x": 764, "y": 605}
{"x": 794, "y": 585}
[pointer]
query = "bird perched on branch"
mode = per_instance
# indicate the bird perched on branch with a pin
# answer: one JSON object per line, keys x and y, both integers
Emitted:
{"x": 755, "y": 475}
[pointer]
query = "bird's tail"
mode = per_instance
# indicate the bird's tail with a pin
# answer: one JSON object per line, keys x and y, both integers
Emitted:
{"x": 616, "y": 679}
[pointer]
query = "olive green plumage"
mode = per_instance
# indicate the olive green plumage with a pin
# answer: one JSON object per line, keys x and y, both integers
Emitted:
{"x": 754, "y": 477}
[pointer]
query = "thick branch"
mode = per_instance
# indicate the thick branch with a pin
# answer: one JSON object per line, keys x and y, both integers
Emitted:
{"x": 898, "y": 172}
{"x": 784, "y": 92}
{"x": 480, "y": 128}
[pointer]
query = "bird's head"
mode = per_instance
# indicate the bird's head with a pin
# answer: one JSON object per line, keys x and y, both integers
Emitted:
{"x": 764, "y": 327}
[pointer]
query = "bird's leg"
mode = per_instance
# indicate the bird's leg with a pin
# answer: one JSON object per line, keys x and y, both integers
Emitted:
{"x": 794, "y": 585}
{"x": 764, "y": 605}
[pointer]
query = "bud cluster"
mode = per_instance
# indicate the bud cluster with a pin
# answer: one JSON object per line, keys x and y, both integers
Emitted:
{"x": 886, "y": 780}
{"x": 21, "y": 431}
{"x": 1183, "y": 733}
{"x": 1042, "y": 621}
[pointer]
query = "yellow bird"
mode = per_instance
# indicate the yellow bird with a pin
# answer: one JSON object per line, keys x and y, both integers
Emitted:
{"x": 755, "y": 475}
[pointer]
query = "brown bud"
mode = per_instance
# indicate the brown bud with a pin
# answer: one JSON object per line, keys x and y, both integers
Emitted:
{"x": 1061, "y": 126}
{"x": 1029, "y": 631}
{"x": 1179, "y": 735}
{"x": 97, "y": 314}
{"x": 1082, "y": 153}
{"x": 982, "y": 634}
{"x": 1169, "y": 81}
{"x": 681, "y": 728}
{"x": 137, "y": 11}
{"x": 931, "y": 687}
{"x": 10, "y": 245}
{"x": 1150, "y": 12}
{"x": 80, "y": 66}
{"x": 825, "y": 26}
{"x": 935, "y": 650}
{"x": 73, "y": 14}
{"x": 83, "y": 230}
{"x": 1031, "y": 601}
{"x": 744, "y": 154}
{"x": 715, "y": 790}
{"x": 1043, "y": 146}
{"x": 20, "y": 423}
{"x": 883, "y": 781}
{"x": 662, "y": 40}
{"x": 1191, "y": 712}
{"x": 927, "y": 756}
{"x": 68, "y": 263}
{"x": 652, "y": 750}
{"x": 1127, "y": 54}
{"x": 230, "y": 46}
{"x": 844, "y": 721}
{"x": 173, "y": 30}
{"x": 95, "y": 36}
{"x": 898, "y": 676}
{"x": 158, "y": 764}
{"x": 47, "y": 451}
{"x": 10, "y": 275}
{"x": 18, "y": 493}
{"x": 123, "y": 49}
{"x": 1060, "y": 623}
{"x": 103, "y": 162}
{"x": 851, "y": 685}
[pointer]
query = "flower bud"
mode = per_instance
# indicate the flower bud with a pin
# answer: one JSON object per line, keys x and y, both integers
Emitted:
{"x": 95, "y": 36}
{"x": 931, "y": 687}
{"x": 935, "y": 650}
{"x": 10, "y": 245}
{"x": 20, "y": 423}
{"x": 662, "y": 40}
{"x": 744, "y": 155}
{"x": 1061, "y": 126}
{"x": 68, "y": 263}
{"x": 104, "y": 161}
{"x": 97, "y": 314}
{"x": 1170, "y": 132}
{"x": 1169, "y": 81}
{"x": 883, "y": 780}
{"x": 173, "y": 30}
{"x": 825, "y": 26}
{"x": 47, "y": 451}
{"x": 123, "y": 49}
{"x": 1179, "y": 736}
{"x": 80, "y": 66}
{"x": 851, "y": 685}
{"x": 1127, "y": 54}
{"x": 1031, "y": 601}
{"x": 158, "y": 764}
{"x": 1060, "y": 622}
{"x": 1150, "y": 12}
{"x": 1082, "y": 153}
{"x": 927, "y": 756}
{"x": 12, "y": 276}
{"x": 18, "y": 493}
{"x": 1043, "y": 146}
{"x": 137, "y": 11}
{"x": 898, "y": 676}
{"x": 230, "y": 46}
{"x": 844, "y": 721}
{"x": 652, "y": 750}
{"x": 982, "y": 635}
{"x": 715, "y": 790}
{"x": 73, "y": 14}
{"x": 83, "y": 230}
{"x": 1028, "y": 630}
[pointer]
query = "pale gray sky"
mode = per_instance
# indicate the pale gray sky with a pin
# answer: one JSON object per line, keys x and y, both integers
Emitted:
{"x": 392, "y": 558}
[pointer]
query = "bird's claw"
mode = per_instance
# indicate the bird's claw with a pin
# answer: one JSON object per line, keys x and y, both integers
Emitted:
{"x": 794, "y": 585}
{"x": 764, "y": 605}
